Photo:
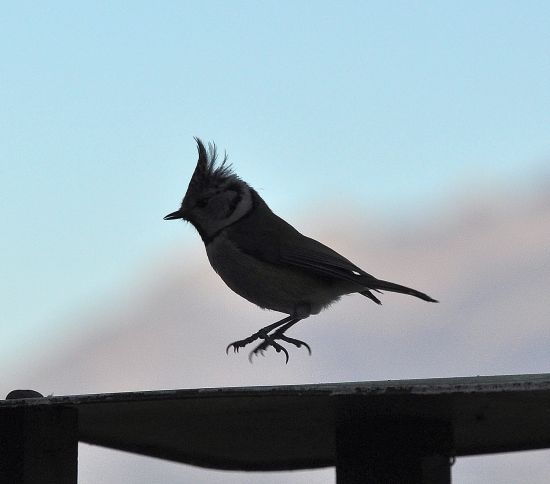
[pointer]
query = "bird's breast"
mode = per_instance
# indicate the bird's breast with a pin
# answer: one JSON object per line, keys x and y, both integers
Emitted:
{"x": 270, "y": 286}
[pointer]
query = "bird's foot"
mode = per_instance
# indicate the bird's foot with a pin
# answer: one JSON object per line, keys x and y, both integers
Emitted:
{"x": 237, "y": 345}
{"x": 270, "y": 334}
{"x": 296, "y": 342}
{"x": 266, "y": 343}
{"x": 270, "y": 340}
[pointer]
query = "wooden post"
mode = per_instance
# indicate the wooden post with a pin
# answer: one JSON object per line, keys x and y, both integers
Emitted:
{"x": 390, "y": 449}
{"x": 39, "y": 445}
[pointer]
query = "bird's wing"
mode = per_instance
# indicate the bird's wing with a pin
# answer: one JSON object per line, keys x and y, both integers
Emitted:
{"x": 267, "y": 237}
{"x": 271, "y": 239}
{"x": 314, "y": 256}
{"x": 302, "y": 251}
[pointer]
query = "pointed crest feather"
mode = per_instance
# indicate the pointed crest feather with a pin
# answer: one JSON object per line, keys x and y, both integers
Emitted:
{"x": 208, "y": 171}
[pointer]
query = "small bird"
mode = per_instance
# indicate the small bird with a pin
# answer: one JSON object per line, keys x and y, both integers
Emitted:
{"x": 263, "y": 258}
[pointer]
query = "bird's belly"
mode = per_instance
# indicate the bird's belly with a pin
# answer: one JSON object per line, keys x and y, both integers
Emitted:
{"x": 280, "y": 288}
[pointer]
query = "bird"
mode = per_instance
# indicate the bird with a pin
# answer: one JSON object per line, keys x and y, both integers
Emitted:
{"x": 263, "y": 258}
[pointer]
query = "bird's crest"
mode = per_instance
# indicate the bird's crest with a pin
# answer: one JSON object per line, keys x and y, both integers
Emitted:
{"x": 208, "y": 172}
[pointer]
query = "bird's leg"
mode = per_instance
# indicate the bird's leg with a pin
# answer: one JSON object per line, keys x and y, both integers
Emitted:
{"x": 262, "y": 333}
{"x": 278, "y": 334}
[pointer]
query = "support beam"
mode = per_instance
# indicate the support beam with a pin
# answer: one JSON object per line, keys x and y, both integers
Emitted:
{"x": 39, "y": 445}
{"x": 394, "y": 430}
{"x": 390, "y": 449}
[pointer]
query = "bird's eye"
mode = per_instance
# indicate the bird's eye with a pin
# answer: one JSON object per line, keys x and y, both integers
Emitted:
{"x": 202, "y": 202}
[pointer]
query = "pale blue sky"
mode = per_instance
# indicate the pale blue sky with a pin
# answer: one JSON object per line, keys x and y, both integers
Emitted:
{"x": 395, "y": 104}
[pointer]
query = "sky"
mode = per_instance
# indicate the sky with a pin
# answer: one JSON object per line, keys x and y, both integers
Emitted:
{"x": 399, "y": 110}
{"x": 388, "y": 106}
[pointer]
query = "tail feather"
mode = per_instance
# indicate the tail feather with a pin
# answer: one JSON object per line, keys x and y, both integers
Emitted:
{"x": 392, "y": 287}
{"x": 371, "y": 296}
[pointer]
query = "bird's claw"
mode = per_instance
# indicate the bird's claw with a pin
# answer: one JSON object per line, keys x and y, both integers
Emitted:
{"x": 237, "y": 345}
{"x": 268, "y": 341}
{"x": 296, "y": 342}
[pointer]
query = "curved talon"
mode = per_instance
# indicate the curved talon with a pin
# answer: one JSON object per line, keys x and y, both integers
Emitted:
{"x": 235, "y": 346}
{"x": 251, "y": 354}
{"x": 279, "y": 348}
{"x": 306, "y": 346}
{"x": 259, "y": 349}
{"x": 296, "y": 342}
{"x": 287, "y": 356}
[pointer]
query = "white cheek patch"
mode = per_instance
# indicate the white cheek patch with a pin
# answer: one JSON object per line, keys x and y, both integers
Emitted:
{"x": 242, "y": 208}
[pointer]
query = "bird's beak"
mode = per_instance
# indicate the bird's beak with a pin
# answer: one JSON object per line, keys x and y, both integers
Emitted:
{"x": 174, "y": 215}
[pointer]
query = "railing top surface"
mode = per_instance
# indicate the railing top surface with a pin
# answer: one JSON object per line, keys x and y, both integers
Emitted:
{"x": 295, "y": 426}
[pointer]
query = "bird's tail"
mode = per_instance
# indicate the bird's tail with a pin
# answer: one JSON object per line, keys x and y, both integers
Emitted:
{"x": 392, "y": 287}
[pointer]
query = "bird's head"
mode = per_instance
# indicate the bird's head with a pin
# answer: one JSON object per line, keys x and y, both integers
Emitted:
{"x": 215, "y": 197}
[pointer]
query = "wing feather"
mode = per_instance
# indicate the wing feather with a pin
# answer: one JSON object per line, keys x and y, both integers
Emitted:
{"x": 267, "y": 237}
